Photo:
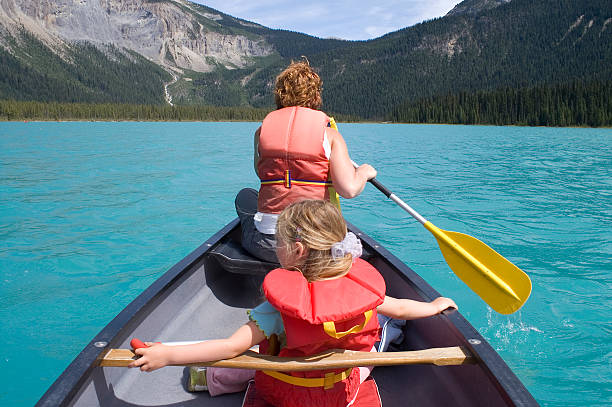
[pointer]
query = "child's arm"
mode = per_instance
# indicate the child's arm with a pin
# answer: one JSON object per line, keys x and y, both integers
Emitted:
{"x": 159, "y": 355}
{"x": 402, "y": 308}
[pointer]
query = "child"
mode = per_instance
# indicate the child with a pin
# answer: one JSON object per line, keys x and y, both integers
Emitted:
{"x": 297, "y": 156}
{"x": 324, "y": 297}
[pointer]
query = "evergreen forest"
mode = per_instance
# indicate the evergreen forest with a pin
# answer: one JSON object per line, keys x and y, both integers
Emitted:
{"x": 565, "y": 105}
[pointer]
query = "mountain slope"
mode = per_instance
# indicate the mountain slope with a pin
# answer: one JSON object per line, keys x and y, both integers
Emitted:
{"x": 82, "y": 72}
{"x": 481, "y": 45}
{"x": 517, "y": 44}
{"x": 144, "y": 35}
{"x": 169, "y": 32}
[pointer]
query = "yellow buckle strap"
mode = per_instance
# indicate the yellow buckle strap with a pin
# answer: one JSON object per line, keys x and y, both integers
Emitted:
{"x": 287, "y": 178}
{"x": 334, "y": 198}
{"x": 330, "y": 327}
{"x": 333, "y": 195}
{"x": 332, "y": 123}
{"x": 327, "y": 382}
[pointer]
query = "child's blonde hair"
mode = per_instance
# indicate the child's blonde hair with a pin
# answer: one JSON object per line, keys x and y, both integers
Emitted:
{"x": 298, "y": 85}
{"x": 317, "y": 225}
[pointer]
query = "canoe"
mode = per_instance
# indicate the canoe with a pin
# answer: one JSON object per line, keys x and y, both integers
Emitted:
{"x": 205, "y": 296}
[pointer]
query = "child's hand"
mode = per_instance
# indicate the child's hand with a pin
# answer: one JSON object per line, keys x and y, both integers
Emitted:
{"x": 153, "y": 357}
{"x": 443, "y": 303}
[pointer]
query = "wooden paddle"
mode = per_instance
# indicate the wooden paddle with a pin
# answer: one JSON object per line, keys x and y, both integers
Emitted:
{"x": 333, "y": 359}
{"x": 496, "y": 280}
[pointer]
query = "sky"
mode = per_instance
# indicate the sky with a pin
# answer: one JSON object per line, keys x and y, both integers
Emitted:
{"x": 346, "y": 19}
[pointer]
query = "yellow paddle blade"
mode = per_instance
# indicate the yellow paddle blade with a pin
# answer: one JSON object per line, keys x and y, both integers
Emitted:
{"x": 496, "y": 280}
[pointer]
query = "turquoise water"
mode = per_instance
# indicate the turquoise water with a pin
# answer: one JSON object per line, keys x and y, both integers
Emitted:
{"x": 92, "y": 213}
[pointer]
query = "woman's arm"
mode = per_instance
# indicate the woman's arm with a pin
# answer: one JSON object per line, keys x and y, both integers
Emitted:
{"x": 348, "y": 181}
{"x": 159, "y": 355}
{"x": 402, "y": 308}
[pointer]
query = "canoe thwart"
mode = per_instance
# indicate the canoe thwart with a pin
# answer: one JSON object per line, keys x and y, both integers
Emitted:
{"x": 333, "y": 359}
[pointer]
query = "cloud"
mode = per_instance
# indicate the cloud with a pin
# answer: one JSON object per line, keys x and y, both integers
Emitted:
{"x": 353, "y": 20}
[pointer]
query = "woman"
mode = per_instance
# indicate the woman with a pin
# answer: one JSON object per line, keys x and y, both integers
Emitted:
{"x": 298, "y": 155}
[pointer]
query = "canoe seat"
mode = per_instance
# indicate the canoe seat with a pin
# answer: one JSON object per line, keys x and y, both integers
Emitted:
{"x": 233, "y": 258}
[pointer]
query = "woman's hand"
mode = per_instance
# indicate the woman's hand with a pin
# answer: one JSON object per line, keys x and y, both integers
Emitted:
{"x": 443, "y": 303}
{"x": 153, "y": 357}
{"x": 366, "y": 171}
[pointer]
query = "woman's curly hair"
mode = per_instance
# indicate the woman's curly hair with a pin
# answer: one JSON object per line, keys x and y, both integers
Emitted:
{"x": 298, "y": 85}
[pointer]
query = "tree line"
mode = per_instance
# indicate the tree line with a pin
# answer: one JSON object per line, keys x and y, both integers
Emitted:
{"x": 578, "y": 103}
{"x": 15, "y": 110}
{"x": 30, "y": 110}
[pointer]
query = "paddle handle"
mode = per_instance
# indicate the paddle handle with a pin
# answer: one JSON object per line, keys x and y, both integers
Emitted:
{"x": 381, "y": 187}
{"x": 394, "y": 198}
{"x": 136, "y": 343}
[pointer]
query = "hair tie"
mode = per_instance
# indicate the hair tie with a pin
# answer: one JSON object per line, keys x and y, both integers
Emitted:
{"x": 350, "y": 244}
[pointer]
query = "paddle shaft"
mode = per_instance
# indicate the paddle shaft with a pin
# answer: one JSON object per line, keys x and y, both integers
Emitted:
{"x": 333, "y": 359}
{"x": 394, "y": 198}
{"x": 398, "y": 200}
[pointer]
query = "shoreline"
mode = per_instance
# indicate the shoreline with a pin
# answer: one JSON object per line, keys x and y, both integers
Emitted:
{"x": 26, "y": 121}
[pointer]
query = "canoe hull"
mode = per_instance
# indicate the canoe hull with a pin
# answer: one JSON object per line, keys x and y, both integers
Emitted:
{"x": 212, "y": 304}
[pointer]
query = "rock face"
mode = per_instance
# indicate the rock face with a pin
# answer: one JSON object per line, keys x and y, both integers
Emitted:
{"x": 173, "y": 33}
{"x": 475, "y": 6}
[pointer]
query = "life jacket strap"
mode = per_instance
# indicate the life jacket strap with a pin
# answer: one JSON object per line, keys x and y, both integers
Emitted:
{"x": 327, "y": 382}
{"x": 288, "y": 182}
{"x": 330, "y": 327}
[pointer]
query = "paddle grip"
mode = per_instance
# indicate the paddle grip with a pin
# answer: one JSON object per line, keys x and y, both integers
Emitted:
{"x": 380, "y": 187}
{"x": 136, "y": 343}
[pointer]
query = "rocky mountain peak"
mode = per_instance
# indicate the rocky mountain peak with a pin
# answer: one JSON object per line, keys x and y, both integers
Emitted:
{"x": 173, "y": 33}
{"x": 475, "y": 6}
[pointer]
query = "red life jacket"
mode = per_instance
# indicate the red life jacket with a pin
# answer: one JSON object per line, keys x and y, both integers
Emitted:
{"x": 317, "y": 316}
{"x": 292, "y": 164}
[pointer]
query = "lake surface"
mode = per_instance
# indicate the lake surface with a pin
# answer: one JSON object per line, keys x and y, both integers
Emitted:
{"x": 92, "y": 213}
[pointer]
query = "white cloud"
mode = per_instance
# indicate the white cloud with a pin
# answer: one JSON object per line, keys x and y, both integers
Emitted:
{"x": 354, "y": 20}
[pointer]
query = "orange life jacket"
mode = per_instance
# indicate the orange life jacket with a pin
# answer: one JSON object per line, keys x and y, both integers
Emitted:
{"x": 292, "y": 164}
{"x": 318, "y": 316}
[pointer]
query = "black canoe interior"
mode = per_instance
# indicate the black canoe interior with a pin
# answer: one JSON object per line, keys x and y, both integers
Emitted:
{"x": 208, "y": 300}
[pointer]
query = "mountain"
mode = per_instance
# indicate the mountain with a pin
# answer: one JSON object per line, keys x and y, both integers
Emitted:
{"x": 147, "y": 42}
{"x": 131, "y": 51}
{"x": 169, "y": 33}
{"x": 516, "y": 44}
{"x": 475, "y": 6}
